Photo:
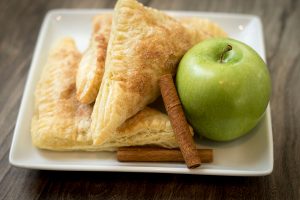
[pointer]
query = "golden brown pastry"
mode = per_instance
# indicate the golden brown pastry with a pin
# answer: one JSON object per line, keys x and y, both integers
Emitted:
{"x": 144, "y": 44}
{"x": 91, "y": 67}
{"x": 60, "y": 122}
{"x": 147, "y": 127}
{"x": 201, "y": 29}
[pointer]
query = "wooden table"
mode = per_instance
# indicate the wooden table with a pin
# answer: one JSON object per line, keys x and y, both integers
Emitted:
{"x": 20, "y": 22}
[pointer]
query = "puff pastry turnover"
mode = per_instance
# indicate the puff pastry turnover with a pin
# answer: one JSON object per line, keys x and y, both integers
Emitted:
{"x": 91, "y": 66}
{"x": 201, "y": 29}
{"x": 61, "y": 122}
{"x": 144, "y": 44}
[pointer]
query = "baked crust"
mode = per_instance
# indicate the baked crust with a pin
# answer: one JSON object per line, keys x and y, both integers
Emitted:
{"x": 201, "y": 29}
{"x": 144, "y": 44}
{"x": 61, "y": 122}
{"x": 91, "y": 66}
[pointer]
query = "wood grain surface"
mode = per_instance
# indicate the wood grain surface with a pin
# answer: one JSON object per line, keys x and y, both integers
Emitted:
{"x": 20, "y": 22}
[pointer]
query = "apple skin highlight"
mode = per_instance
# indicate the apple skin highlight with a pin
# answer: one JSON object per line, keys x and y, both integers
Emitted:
{"x": 223, "y": 96}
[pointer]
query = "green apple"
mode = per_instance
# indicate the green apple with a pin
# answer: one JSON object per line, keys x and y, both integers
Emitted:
{"x": 224, "y": 87}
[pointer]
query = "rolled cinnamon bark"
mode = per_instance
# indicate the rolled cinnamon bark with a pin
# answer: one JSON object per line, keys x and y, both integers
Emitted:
{"x": 157, "y": 154}
{"x": 178, "y": 122}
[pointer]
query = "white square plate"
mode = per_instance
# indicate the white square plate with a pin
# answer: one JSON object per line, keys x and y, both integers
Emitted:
{"x": 251, "y": 155}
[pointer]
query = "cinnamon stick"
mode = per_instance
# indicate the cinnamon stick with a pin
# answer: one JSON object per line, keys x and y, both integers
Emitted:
{"x": 157, "y": 154}
{"x": 178, "y": 122}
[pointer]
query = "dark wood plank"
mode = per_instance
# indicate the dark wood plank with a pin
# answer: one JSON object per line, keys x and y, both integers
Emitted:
{"x": 20, "y": 22}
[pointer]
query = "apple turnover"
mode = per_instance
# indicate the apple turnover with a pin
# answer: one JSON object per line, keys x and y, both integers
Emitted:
{"x": 200, "y": 29}
{"x": 144, "y": 44}
{"x": 91, "y": 66}
{"x": 61, "y": 122}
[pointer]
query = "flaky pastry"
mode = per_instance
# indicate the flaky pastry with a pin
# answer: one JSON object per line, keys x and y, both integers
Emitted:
{"x": 144, "y": 44}
{"x": 201, "y": 29}
{"x": 91, "y": 66}
{"x": 61, "y": 122}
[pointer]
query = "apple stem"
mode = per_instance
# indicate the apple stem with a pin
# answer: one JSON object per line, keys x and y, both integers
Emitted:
{"x": 227, "y": 48}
